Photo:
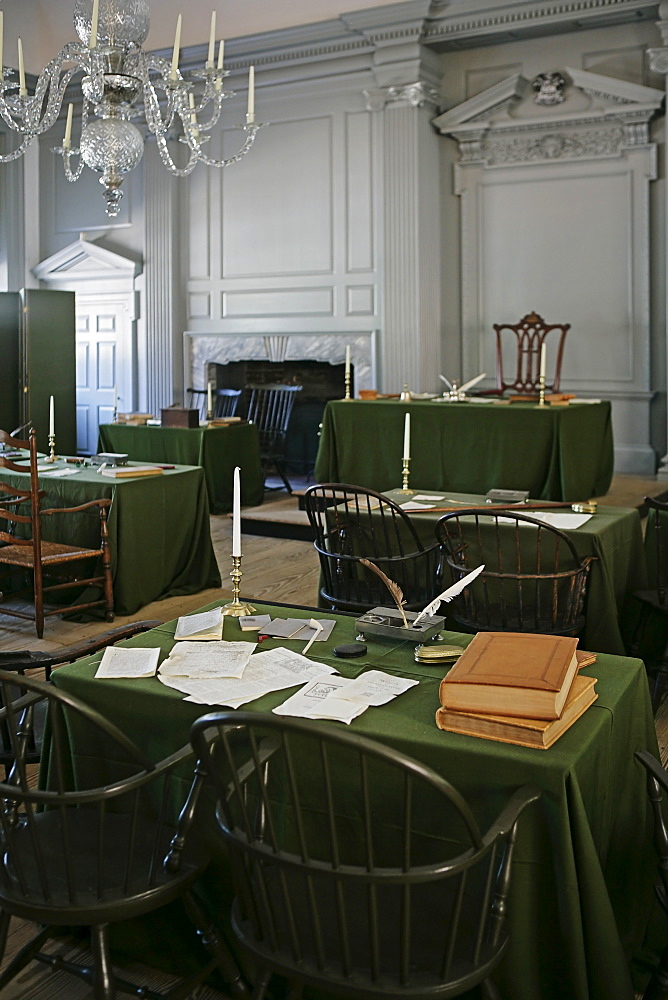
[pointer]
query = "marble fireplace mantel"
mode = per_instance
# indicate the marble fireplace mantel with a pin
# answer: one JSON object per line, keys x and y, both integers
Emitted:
{"x": 199, "y": 349}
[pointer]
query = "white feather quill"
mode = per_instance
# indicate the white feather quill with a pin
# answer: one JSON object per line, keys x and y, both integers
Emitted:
{"x": 448, "y": 594}
{"x": 444, "y": 379}
{"x": 471, "y": 382}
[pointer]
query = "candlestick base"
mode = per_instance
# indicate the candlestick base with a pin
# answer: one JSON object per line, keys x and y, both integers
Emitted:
{"x": 51, "y": 457}
{"x": 347, "y": 382}
{"x": 404, "y": 477}
{"x": 541, "y": 390}
{"x": 236, "y": 608}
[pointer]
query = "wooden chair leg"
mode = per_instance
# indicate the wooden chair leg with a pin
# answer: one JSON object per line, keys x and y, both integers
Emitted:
{"x": 38, "y": 586}
{"x": 104, "y": 987}
{"x": 657, "y": 988}
{"x": 106, "y": 567}
{"x": 216, "y": 946}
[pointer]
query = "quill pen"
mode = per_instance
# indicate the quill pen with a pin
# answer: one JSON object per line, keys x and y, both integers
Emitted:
{"x": 471, "y": 382}
{"x": 444, "y": 379}
{"x": 394, "y": 588}
{"x": 448, "y": 594}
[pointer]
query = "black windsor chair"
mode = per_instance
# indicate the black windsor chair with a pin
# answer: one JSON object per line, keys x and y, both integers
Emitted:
{"x": 648, "y": 635}
{"x": 533, "y": 581}
{"x": 356, "y": 869}
{"x": 25, "y": 549}
{"x": 351, "y": 523}
{"x": 41, "y": 663}
{"x": 87, "y": 850}
{"x": 270, "y": 408}
{"x": 657, "y": 784}
{"x": 224, "y": 402}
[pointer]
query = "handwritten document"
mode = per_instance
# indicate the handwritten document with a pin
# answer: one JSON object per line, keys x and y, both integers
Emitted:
{"x": 122, "y": 661}
{"x": 210, "y": 659}
{"x": 206, "y": 625}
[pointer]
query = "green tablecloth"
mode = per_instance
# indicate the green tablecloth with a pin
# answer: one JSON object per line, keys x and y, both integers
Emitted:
{"x": 158, "y": 530}
{"x": 557, "y": 453}
{"x": 217, "y": 449}
{"x": 613, "y": 535}
{"x": 582, "y": 887}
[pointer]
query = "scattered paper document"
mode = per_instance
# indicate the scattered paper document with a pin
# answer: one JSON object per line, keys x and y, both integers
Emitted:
{"x": 563, "y": 521}
{"x": 206, "y": 625}
{"x": 125, "y": 661}
{"x": 299, "y": 628}
{"x": 411, "y": 505}
{"x": 270, "y": 670}
{"x": 321, "y": 699}
{"x": 428, "y": 498}
{"x": 61, "y": 473}
{"x": 211, "y": 659}
{"x": 375, "y": 687}
{"x": 253, "y": 623}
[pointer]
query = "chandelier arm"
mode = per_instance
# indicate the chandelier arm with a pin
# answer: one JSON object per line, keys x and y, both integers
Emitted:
{"x": 51, "y": 83}
{"x": 166, "y": 158}
{"x": 19, "y": 151}
{"x": 157, "y": 123}
{"x": 250, "y": 139}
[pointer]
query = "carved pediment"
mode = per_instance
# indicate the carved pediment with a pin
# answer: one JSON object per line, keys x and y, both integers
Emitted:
{"x": 512, "y": 121}
{"x": 83, "y": 261}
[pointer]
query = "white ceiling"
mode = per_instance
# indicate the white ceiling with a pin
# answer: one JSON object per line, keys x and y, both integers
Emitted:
{"x": 46, "y": 25}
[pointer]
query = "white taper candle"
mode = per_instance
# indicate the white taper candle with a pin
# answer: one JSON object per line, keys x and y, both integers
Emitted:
{"x": 92, "y": 44}
{"x": 221, "y": 50}
{"x": 543, "y": 360}
{"x": 347, "y": 359}
{"x": 212, "y": 40}
{"x": 67, "y": 141}
{"x": 52, "y": 417}
{"x": 407, "y": 436}
{"x": 251, "y": 94}
{"x": 2, "y": 40}
{"x": 22, "y": 73}
{"x": 236, "y": 513}
{"x": 177, "y": 47}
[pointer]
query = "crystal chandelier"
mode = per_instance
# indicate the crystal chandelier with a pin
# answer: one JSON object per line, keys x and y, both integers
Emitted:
{"x": 121, "y": 82}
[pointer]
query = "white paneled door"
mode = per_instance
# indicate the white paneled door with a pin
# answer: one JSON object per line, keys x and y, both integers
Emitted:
{"x": 103, "y": 339}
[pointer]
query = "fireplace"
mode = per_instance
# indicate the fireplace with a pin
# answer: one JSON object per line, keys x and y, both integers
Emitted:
{"x": 315, "y": 361}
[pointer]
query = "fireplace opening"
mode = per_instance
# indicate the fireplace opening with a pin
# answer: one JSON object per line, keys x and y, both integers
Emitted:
{"x": 320, "y": 381}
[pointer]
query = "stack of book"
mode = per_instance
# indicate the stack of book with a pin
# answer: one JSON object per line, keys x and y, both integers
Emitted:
{"x": 516, "y": 687}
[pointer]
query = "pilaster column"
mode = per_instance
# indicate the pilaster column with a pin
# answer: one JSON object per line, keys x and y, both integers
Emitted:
{"x": 410, "y": 348}
{"x": 658, "y": 61}
{"x": 159, "y": 337}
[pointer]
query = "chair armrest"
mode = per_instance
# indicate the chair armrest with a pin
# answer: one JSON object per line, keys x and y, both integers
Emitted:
{"x": 519, "y": 800}
{"x": 104, "y": 502}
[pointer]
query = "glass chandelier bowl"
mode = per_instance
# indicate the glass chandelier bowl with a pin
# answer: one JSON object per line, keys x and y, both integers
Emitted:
{"x": 121, "y": 22}
{"x": 111, "y": 147}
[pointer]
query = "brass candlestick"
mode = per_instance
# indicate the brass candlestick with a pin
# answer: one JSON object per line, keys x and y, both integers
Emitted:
{"x": 114, "y": 416}
{"x": 347, "y": 381}
{"x": 404, "y": 475}
{"x": 52, "y": 448}
{"x": 237, "y": 608}
{"x": 541, "y": 390}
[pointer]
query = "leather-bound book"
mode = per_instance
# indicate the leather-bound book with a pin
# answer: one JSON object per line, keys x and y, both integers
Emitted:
{"x": 539, "y": 733}
{"x": 523, "y": 674}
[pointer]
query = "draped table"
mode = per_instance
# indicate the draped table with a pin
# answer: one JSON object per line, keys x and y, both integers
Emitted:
{"x": 613, "y": 535}
{"x": 554, "y": 452}
{"x": 159, "y": 535}
{"x": 217, "y": 449}
{"x": 582, "y": 883}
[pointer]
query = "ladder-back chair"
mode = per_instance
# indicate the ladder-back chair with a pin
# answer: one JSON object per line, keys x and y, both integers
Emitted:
{"x": 270, "y": 408}
{"x": 357, "y": 869}
{"x": 533, "y": 581}
{"x": 87, "y": 849}
{"x": 520, "y": 344}
{"x": 351, "y": 523}
{"x": 24, "y": 548}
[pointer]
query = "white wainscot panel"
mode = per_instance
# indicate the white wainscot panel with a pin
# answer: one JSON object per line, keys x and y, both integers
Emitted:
{"x": 279, "y": 302}
{"x": 82, "y": 353}
{"x": 359, "y": 216}
{"x": 360, "y": 300}
{"x": 278, "y": 206}
{"x": 106, "y": 365}
{"x": 562, "y": 247}
{"x": 199, "y": 223}
{"x": 106, "y": 323}
{"x": 199, "y": 305}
